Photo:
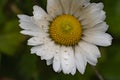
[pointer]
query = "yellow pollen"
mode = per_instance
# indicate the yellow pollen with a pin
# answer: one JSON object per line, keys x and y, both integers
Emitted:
{"x": 65, "y": 30}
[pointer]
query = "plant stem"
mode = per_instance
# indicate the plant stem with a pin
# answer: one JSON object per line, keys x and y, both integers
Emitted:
{"x": 97, "y": 73}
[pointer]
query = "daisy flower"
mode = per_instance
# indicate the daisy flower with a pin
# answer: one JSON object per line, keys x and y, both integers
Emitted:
{"x": 67, "y": 34}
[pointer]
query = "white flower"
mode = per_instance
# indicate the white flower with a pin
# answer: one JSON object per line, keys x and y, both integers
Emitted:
{"x": 67, "y": 34}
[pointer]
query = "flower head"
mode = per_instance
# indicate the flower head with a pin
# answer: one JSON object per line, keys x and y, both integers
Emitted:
{"x": 67, "y": 34}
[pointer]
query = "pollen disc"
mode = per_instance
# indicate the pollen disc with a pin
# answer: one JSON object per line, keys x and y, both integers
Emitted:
{"x": 65, "y": 30}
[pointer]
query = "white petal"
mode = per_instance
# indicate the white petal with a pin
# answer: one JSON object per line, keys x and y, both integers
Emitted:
{"x": 33, "y": 32}
{"x": 49, "y": 62}
{"x": 93, "y": 19}
{"x": 67, "y": 60}
{"x": 73, "y": 71}
{"x": 92, "y": 15}
{"x": 29, "y": 26}
{"x": 77, "y": 4}
{"x": 101, "y": 27}
{"x": 39, "y": 40}
{"x": 41, "y": 18}
{"x": 91, "y": 52}
{"x": 43, "y": 24}
{"x": 91, "y": 8}
{"x": 29, "y": 23}
{"x": 98, "y": 38}
{"x": 26, "y": 22}
{"x": 38, "y": 12}
{"x": 46, "y": 51}
{"x": 80, "y": 60}
{"x": 30, "y": 33}
{"x": 56, "y": 60}
{"x": 56, "y": 63}
{"x": 25, "y": 18}
{"x": 54, "y": 8}
{"x": 66, "y": 6}
{"x": 90, "y": 48}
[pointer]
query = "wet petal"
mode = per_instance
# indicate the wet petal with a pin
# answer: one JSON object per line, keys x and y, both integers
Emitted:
{"x": 38, "y": 12}
{"x": 67, "y": 60}
{"x": 66, "y": 6}
{"x": 80, "y": 60}
{"x": 98, "y": 38}
{"x": 90, "y": 51}
{"x": 54, "y": 8}
{"x": 77, "y": 4}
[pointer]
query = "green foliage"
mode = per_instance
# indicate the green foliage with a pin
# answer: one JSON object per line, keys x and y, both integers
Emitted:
{"x": 113, "y": 16}
{"x": 2, "y": 16}
{"x": 28, "y": 66}
{"x": 10, "y": 38}
{"x": 17, "y": 63}
{"x": 111, "y": 69}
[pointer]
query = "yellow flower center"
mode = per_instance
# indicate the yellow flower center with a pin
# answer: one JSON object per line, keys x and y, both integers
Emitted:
{"x": 66, "y": 30}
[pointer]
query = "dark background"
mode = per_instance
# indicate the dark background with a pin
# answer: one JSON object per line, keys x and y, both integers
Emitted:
{"x": 16, "y": 62}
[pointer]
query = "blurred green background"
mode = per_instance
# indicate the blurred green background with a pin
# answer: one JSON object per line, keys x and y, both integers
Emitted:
{"x": 16, "y": 62}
